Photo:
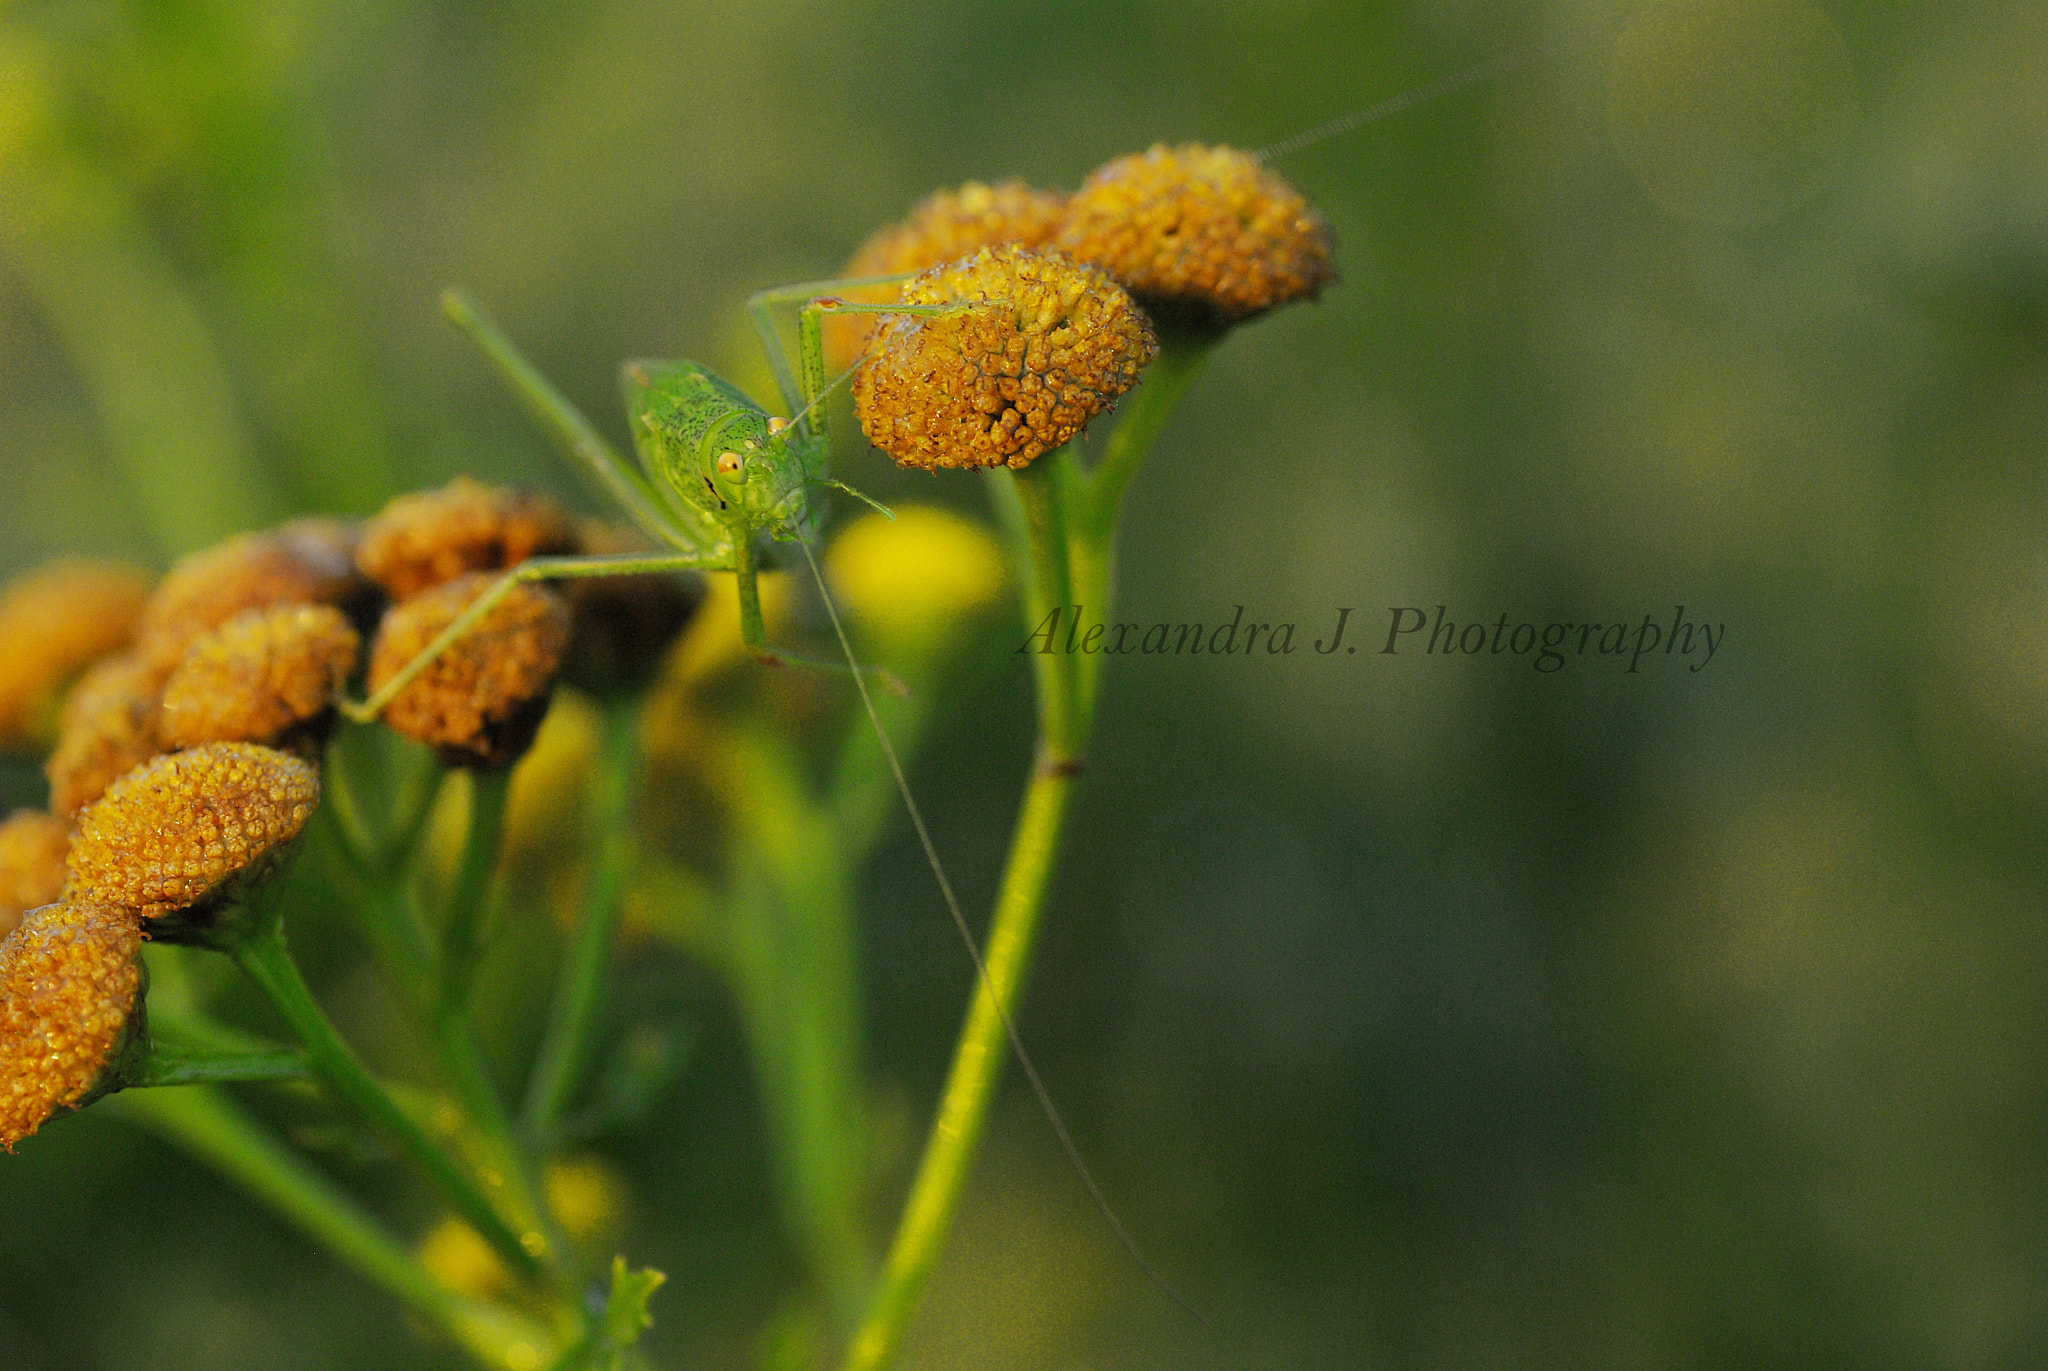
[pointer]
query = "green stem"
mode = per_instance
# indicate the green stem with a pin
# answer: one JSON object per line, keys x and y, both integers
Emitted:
{"x": 510, "y": 1167}
{"x": 266, "y": 962}
{"x": 418, "y": 787}
{"x": 795, "y": 957}
{"x": 579, "y": 992}
{"x": 399, "y": 934}
{"x": 1181, "y": 359}
{"x": 1049, "y": 589}
{"x": 1069, "y": 523}
{"x": 208, "y": 1125}
{"x": 469, "y": 898}
{"x": 1092, "y": 555}
{"x": 970, "y": 1086}
{"x": 178, "y": 1064}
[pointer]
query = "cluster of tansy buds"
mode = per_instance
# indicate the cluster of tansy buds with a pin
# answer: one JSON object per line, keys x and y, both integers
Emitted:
{"x": 185, "y": 755}
{"x": 1061, "y": 293}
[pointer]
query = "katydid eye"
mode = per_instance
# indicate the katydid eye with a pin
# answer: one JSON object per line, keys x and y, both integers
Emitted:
{"x": 728, "y": 464}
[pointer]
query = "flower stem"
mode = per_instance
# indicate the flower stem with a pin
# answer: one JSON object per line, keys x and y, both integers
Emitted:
{"x": 977, "y": 1066}
{"x": 508, "y": 1164}
{"x": 1049, "y": 588}
{"x": 579, "y": 992}
{"x": 178, "y": 1064}
{"x": 1069, "y": 520}
{"x": 469, "y": 898}
{"x": 207, "y": 1124}
{"x": 262, "y": 956}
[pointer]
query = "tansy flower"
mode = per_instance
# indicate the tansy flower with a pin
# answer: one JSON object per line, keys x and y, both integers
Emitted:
{"x": 1202, "y": 236}
{"x": 262, "y": 673}
{"x": 32, "y": 847}
{"x": 943, "y": 227}
{"x": 70, "y": 1000}
{"x": 107, "y": 727}
{"x": 190, "y": 829}
{"x": 950, "y": 224}
{"x": 431, "y": 536}
{"x": 55, "y": 622}
{"x": 295, "y": 565}
{"x": 912, "y": 576}
{"x": 1042, "y": 347}
{"x": 479, "y": 702}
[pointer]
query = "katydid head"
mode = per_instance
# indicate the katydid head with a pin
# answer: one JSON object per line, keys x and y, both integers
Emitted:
{"x": 712, "y": 449}
{"x": 756, "y": 465}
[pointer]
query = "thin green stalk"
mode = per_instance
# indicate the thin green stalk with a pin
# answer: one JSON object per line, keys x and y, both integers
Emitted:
{"x": 207, "y": 1124}
{"x": 983, "y": 1046}
{"x": 178, "y": 1064}
{"x": 1048, "y": 589}
{"x": 396, "y": 933}
{"x": 418, "y": 787}
{"x": 264, "y": 959}
{"x": 509, "y": 1165}
{"x": 342, "y": 814}
{"x": 793, "y": 951}
{"x": 1092, "y": 553}
{"x": 579, "y": 991}
{"x": 469, "y": 897}
{"x": 1180, "y": 360}
{"x": 970, "y": 1086}
{"x": 1069, "y": 524}
{"x": 399, "y": 933}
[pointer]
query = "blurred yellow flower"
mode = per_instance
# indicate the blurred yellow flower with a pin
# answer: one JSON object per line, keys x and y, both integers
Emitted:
{"x": 926, "y": 568}
{"x": 56, "y": 621}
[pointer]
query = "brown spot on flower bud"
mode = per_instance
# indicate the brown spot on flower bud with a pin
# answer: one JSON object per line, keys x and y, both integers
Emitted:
{"x": 54, "y": 622}
{"x": 191, "y": 828}
{"x": 1044, "y": 346}
{"x": 1201, "y": 236}
{"x": 943, "y": 227}
{"x": 32, "y": 847}
{"x": 431, "y": 536}
{"x": 107, "y": 727}
{"x": 70, "y": 991}
{"x": 249, "y": 571}
{"x": 258, "y": 676}
{"x": 479, "y": 702}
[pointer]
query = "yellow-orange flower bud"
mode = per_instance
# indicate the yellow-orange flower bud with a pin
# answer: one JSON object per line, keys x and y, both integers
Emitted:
{"x": 431, "y": 536}
{"x": 1201, "y": 236}
{"x": 191, "y": 828}
{"x": 479, "y": 702}
{"x": 70, "y": 992}
{"x": 107, "y": 728}
{"x": 1042, "y": 346}
{"x": 258, "y": 675}
{"x": 950, "y": 224}
{"x": 943, "y": 227}
{"x": 32, "y": 848}
{"x": 55, "y": 622}
{"x": 249, "y": 571}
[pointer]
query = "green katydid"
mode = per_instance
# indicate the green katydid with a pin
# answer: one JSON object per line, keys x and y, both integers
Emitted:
{"x": 716, "y": 470}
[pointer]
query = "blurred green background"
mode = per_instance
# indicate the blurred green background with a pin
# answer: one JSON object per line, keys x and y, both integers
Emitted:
{"x": 1416, "y": 1012}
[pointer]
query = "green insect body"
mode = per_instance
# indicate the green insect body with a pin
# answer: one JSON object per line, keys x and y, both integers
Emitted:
{"x": 716, "y": 470}
{"x": 732, "y": 470}
{"x": 731, "y": 467}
